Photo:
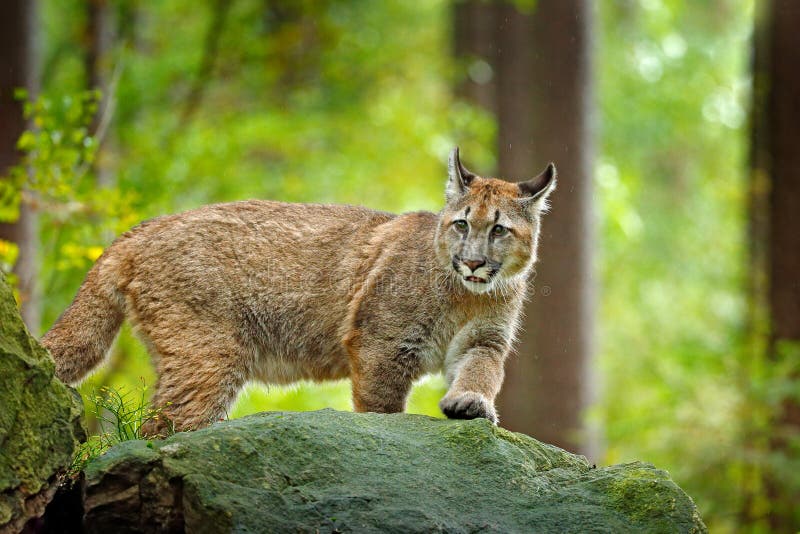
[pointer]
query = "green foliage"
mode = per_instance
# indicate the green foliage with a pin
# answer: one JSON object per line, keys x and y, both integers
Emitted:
{"x": 8, "y": 257}
{"x": 56, "y": 178}
{"x": 306, "y": 396}
{"x": 771, "y": 445}
{"x": 56, "y": 152}
{"x": 122, "y": 415}
{"x": 346, "y": 101}
{"x": 684, "y": 386}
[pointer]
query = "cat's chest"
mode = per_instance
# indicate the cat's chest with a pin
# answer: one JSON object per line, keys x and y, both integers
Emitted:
{"x": 446, "y": 338}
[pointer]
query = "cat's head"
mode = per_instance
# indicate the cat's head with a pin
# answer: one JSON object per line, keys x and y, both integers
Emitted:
{"x": 489, "y": 229}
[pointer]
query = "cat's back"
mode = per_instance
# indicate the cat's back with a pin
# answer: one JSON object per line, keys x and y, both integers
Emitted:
{"x": 251, "y": 226}
{"x": 265, "y": 217}
{"x": 253, "y": 242}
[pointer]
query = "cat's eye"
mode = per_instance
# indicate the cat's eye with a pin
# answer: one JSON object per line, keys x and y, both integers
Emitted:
{"x": 499, "y": 230}
{"x": 461, "y": 225}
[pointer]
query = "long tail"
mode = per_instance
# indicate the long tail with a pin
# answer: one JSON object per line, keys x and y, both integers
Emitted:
{"x": 80, "y": 338}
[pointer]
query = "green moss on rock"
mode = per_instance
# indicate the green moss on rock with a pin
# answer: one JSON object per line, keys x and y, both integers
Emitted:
{"x": 40, "y": 418}
{"x": 332, "y": 471}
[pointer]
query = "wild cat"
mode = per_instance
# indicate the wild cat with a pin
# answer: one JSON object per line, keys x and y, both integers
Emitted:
{"x": 277, "y": 293}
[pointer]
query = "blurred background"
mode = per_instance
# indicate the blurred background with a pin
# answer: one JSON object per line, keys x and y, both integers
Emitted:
{"x": 664, "y": 319}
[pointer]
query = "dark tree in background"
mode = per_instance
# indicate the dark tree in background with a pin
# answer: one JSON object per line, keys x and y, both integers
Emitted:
{"x": 18, "y": 70}
{"x": 474, "y": 29}
{"x": 541, "y": 93}
{"x": 775, "y": 226}
{"x": 98, "y": 38}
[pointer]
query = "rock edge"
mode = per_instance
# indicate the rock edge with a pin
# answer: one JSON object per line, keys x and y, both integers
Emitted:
{"x": 330, "y": 471}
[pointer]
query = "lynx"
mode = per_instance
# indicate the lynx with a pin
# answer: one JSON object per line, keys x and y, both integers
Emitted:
{"x": 277, "y": 293}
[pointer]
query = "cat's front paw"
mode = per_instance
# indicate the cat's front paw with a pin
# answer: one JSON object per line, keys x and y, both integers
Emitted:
{"x": 468, "y": 405}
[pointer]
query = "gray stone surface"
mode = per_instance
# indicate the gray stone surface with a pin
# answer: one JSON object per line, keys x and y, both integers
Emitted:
{"x": 331, "y": 471}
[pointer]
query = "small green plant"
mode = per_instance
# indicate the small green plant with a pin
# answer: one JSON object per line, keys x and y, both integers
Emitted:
{"x": 122, "y": 415}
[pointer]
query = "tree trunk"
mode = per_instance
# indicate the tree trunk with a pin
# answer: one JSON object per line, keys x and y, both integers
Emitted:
{"x": 98, "y": 42}
{"x": 542, "y": 95}
{"x": 99, "y": 36}
{"x": 475, "y": 48}
{"x": 775, "y": 205}
{"x": 784, "y": 199}
{"x": 18, "y": 70}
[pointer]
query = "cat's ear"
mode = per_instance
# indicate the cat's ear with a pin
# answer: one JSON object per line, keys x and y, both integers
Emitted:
{"x": 533, "y": 193}
{"x": 458, "y": 179}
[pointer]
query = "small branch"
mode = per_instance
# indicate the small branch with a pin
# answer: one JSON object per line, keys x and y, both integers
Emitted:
{"x": 207, "y": 63}
{"x": 106, "y": 115}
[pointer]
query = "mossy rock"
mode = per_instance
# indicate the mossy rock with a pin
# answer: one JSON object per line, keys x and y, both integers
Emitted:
{"x": 40, "y": 421}
{"x": 330, "y": 471}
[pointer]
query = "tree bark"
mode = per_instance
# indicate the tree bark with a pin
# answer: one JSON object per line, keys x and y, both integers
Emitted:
{"x": 544, "y": 95}
{"x": 98, "y": 38}
{"x": 540, "y": 92}
{"x": 475, "y": 49}
{"x": 784, "y": 199}
{"x": 18, "y": 61}
{"x": 775, "y": 205}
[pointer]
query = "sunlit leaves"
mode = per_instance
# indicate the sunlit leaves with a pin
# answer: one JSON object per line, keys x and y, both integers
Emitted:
{"x": 58, "y": 148}
{"x": 8, "y": 256}
{"x": 672, "y": 81}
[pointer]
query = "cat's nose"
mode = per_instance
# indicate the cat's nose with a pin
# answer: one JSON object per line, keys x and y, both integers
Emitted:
{"x": 474, "y": 265}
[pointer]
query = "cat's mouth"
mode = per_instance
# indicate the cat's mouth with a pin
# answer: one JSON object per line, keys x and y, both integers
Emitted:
{"x": 479, "y": 277}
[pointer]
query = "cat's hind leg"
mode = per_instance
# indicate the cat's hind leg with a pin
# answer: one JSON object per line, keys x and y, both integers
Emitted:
{"x": 201, "y": 367}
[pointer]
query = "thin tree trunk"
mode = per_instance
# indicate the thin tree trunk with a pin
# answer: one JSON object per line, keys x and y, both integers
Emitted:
{"x": 757, "y": 318}
{"x": 98, "y": 40}
{"x": 208, "y": 61}
{"x": 544, "y": 107}
{"x": 97, "y": 46}
{"x": 475, "y": 48}
{"x": 18, "y": 70}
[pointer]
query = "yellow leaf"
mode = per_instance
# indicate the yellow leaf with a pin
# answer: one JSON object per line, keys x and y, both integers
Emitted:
{"x": 8, "y": 252}
{"x": 94, "y": 252}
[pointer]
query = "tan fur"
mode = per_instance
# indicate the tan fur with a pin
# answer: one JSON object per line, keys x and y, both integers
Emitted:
{"x": 277, "y": 292}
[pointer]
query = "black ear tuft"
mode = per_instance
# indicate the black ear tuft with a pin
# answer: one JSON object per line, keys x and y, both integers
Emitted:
{"x": 459, "y": 177}
{"x": 539, "y": 187}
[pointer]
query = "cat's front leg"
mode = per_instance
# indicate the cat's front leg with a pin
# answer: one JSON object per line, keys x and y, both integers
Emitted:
{"x": 475, "y": 380}
{"x": 381, "y": 373}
